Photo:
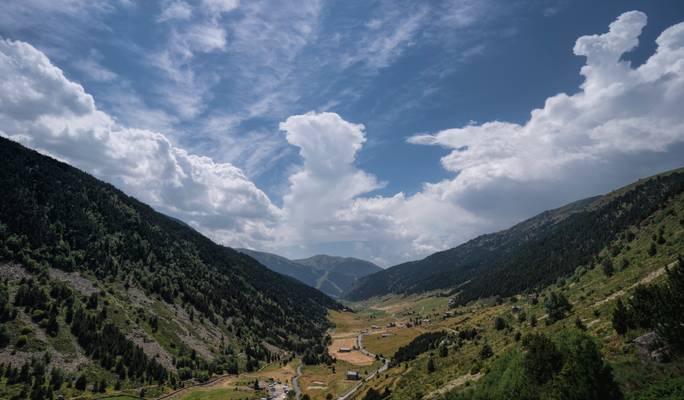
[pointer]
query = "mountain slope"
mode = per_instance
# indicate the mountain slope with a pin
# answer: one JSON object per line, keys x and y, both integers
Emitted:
{"x": 338, "y": 273}
{"x": 330, "y": 274}
{"x": 532, "y": 253}
{"x": 284, "y": 266}
{"x": 159, "y": 275}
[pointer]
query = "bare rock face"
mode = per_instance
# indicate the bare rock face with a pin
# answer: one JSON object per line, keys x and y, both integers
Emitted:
{"x": 652, "y": 346}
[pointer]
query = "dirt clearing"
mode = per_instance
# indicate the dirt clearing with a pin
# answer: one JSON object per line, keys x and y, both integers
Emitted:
{"x": 354, "y": 356}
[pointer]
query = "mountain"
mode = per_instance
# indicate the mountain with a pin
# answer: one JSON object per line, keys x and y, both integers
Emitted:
{"x": 338, "y": 274}
{"x": 532, "y": 253}
{"x": 284, "y": 266}
{"x": 97, "y": 278}
{"x": 330, "y": 274}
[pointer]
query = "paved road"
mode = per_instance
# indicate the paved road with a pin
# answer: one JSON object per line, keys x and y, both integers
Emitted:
{"x": 295, "y": 382}
{"x": 355, "y": 388}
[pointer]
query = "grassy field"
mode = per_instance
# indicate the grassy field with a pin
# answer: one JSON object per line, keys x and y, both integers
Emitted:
{"x": 219, "y": 394}
{"x": 386, "y": 346}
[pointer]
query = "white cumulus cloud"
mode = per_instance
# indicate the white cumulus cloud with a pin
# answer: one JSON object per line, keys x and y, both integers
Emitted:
{"x": 42, "y": 109}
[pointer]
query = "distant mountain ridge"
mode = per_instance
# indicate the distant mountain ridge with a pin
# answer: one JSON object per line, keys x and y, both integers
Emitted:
{"x": 330, "y": 274}
{"x": 532, "y": 253}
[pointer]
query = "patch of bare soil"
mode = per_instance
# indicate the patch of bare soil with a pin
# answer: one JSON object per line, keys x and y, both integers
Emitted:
{"x": 354, "y": 356}
{"x": 137, "y": 296}
{"x": 593, "y": 322}
{"x": 151, "y": 348}
{"x": 17, "y": 359}
{"x": 75, "y": 280}
{"x": 13, "y": 272}
{"x": 196, "y": 334}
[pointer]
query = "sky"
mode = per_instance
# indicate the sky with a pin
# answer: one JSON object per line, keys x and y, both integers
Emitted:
{"x": 385, "y": 130}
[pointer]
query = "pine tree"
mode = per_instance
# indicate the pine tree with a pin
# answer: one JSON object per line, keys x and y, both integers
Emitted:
{"x": 431, "y": 365}
{"x": 81, "y": 383}
{"x": 620, "y": 318}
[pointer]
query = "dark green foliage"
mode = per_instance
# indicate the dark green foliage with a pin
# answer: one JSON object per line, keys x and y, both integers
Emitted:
{"x": 467, "y": 333}
{"x": 443, "y": 350}
{"x": 659, "y": 307}
{"x": 531, "y": 254}
{"x": 373, "y": 394}
{"x": 81, "y": 382}
{"x": 607, "y": 265}
{"x": 101, "y": 386}
{"x": 31, "y": 296}
{"x": 417, "y": 346}
{"x": 56, "y": 378}
{"x": 54, "y": 215}
{"x": 624, "y": 264}
{"x": 486, "y": 351}
{"x": 105, "y": 343}
{"x": 317, "y": 354}
{"x": 431, "y": 365}
{"x": 21, "y": 341}
{"x": 52, "y": 326}
{"x": 620, "y": 318}
{"x": 557, "y": 306}
{"x": 499, "y": 323}
{"x": 671, "y": 389}
{"x": 4, "y": 336}
{"x": 670, "y": 314}
{"x": 541, "y": 360}
{"x": 6, "y": 310}
{"x": 569, "y": 367}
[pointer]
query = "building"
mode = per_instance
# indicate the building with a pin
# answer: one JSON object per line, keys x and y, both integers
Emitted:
{"x": 345, "y": 350}
{"x": 353, "y": 375}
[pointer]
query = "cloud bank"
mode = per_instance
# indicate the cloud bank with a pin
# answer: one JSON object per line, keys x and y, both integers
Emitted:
{"x": 42, "y": 109}
{"x": 624, "y": 122}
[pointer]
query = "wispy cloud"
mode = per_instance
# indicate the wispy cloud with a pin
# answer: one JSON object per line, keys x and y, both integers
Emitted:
{"x": 176, "y": 9}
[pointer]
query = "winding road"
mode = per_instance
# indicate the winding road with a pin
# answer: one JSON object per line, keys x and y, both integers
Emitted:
{"x": 355, "y": 388}
{"x": 295, "y": 382}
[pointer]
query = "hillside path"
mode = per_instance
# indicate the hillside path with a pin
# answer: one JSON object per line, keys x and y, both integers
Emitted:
{"x": 643, "y": 281}
{"x": 460, "y": 381}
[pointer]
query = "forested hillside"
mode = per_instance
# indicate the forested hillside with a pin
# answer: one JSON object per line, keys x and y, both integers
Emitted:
{"x": 531, "y": 254}
{"x": 83, "y": 262}
{"x": 611, "y": 329}
{"x": 330, "y": 274}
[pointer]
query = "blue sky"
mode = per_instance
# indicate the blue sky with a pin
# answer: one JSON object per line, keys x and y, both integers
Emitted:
{"x": 381, "y": 129}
